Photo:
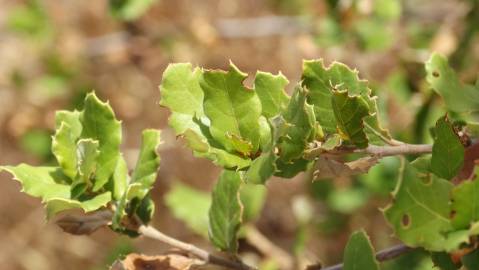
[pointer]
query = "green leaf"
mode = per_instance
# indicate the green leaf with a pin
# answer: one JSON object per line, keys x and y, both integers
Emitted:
{"x": 41, "y": 182}
{"x": 266, "y": 138}
{"x": 316, "y": 79}
{"x": 99, "y": 123}
{"x": 225, "y": 212}
{"x": 145, "y": 209}
{"x": 290, "y": 169}
{"x": 72, "y": 119}
{"x": 270, "y": 90}
{"x": 261, "y": 169}
{"x": 87, "y": 153}
{"x": 350, "y": 112}
{"x": 120, "y": 179}
{"x": 252, "y": 198}
{"x": 64, "y": 149}
{"x": 332, "y": 142}
{"x": 57, "y": 205}
{"x": 181, "y": 93}
{"x": 471, "y": 260}
{"x": 420, "y": 212}
{"x": 458, "y": 97}
{"x": 222, "y": 158}
{"x": 68, "y": 130}
{"x": 447, "y": 151}
{"x": 191, "y": 206}
{"x": 132, "y": 196}
{"x": 359, "y": 253}
{"x": 465, "y": 202}
{"x": 422, "y": 164}
{"x": 443, "y": 261}
{"x": 321, "y": 82}
{"x": 129, "y": 9}
{"x": 233, "y": 109}
{"x": 149, "y": 160}
{"x": 300, "y": 122}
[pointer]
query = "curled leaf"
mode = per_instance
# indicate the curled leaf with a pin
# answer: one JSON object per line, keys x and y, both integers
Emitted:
{"x": 161, "y": 262}
{"x": 84, "y": 224}
{"x": 330, "y": 168}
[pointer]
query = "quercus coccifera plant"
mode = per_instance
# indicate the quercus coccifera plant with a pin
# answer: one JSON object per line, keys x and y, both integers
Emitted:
{"x": 260, "y": 132}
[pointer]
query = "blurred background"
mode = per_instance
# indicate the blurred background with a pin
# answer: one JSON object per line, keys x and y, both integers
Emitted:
{"x": 53, "y": 52}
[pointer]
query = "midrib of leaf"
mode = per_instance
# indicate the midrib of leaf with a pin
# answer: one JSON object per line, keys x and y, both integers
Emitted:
{"x": 340, "y": 117}
{"x": 379, "y": 134}
{"x": 447, "y": 164}
{"x": 233, "y": 108}
{"x": 355, "y": 256}
{"x": 426, "y": 207}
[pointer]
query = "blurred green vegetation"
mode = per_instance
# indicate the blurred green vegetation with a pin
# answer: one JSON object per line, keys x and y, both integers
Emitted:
{"x": 388, "y": 40}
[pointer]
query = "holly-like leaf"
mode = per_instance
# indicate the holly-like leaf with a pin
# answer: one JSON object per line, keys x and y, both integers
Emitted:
{"x": 300, "y": 127}
{"x": 149, "y": 160}
{"x": 191, "y": 206}
{"x": 56, "y": 205}
{"x": 458, "y": 97}
{"x": 72, "y": 119}
{"x": 233, "y": 109}
{"x": 359, "y": 253}
{"x": 181, "y": 93}
{"x": 64, "y": 149}
{"x": 87, "y": 153}
{"x": 321, "y": 82}
{"x": 99, "y": 123}
{"x": 317, "y": 80}
{"x": 270, "y": 90}
{"x": 350, "y": 112}
{"x": 41, "y": 182}
{"x": 252, "y": 198}
{"x": 465, "y": 202}
{"x": 447, "y": 151}
{"x": 225, "y": 212}
{"x": 420, "y": 212}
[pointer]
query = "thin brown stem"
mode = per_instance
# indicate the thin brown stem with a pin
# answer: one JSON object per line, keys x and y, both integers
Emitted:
{"x": 402, "y": 149}
{"x": 268, "y": 248}
{"x": 202, "y": 254}
{"x": 381, "y": 256}
{"x": 375, "y": 150}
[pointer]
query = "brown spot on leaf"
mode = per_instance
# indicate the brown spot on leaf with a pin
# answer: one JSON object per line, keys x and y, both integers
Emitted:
{"x": 435, "y": 74}
{"x": 452, "y": 214}
{"x": 405, "y": 221}
{"x": 471, "y": 155}
{"x": 427, "y": 179}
